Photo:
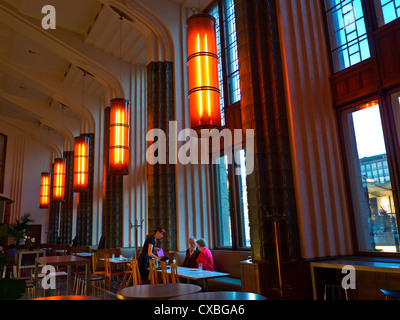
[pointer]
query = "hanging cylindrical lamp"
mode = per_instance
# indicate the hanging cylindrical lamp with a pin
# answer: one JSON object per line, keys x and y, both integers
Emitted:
{"x": 119, "y": 136}
{"x": 204, "y": 92}
{"x": 81, "y": 164}
{"x": 119, "y": 142}
{"x": 45, "y": 184}
{"x": 59, "y": 179}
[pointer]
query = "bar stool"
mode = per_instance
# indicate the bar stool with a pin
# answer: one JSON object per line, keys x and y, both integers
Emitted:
{"x": 97, "y": 284}
{"x": 31, "y": 288}
{"x": 394, "y": 294}
{"x": 334, "y": 287}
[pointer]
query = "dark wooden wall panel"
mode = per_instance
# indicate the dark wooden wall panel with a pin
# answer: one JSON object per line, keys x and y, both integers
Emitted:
{"x": 387, "y": 40}
{"x": 355, "y": 83}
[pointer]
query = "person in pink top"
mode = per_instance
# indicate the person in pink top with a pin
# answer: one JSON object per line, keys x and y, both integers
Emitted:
{"x": 205, "y": 256}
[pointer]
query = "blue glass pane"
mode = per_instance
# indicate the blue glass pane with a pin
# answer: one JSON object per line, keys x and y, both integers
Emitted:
{"x": 387, "y": 10}
{"x": 347, "y": 30}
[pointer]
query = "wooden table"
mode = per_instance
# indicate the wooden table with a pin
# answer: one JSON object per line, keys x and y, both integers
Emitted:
{"x": 117, "y": 260}
{"x": 221, "y": 295}
{"x": 83, "y": 254}
{"x": 161, "y": 291}
{"x": 196, "y": 274}
{"x": 19, "y": 255}
{"x": 68, "y": 298}
{"x": 359, "y": 265}
{"x": 63, "y": 261}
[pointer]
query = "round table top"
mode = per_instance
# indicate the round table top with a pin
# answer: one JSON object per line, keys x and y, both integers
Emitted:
{"x": 68, "y": 298}
{"x": 157, "y": 291}
{"x": 221, "y": 295}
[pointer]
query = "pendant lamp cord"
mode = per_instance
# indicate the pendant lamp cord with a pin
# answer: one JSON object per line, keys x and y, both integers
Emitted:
{"x": 83, "y": 99}
{"x": 62, "y": 131}
{"x": 120, "y": 50}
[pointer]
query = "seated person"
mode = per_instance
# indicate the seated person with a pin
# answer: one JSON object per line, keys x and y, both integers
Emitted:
{"x": 205, "y": 256}
{"x": 11, "y": 251}
{"x": 191, "y": 254}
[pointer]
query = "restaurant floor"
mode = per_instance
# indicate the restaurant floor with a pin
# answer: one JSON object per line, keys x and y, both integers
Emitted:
{"x": 61, "y": 290}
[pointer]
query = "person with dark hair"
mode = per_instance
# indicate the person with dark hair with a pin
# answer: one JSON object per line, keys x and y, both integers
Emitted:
{"x": 205, "y": 257}
{"x": 191, "y": 254}
{"x": 147, "y": 252}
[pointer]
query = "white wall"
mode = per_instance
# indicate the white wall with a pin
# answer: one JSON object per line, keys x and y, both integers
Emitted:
{"x": 26, "y": 158}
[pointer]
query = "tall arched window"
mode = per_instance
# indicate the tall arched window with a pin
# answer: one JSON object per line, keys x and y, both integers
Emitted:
{"x": 230, "y": 191}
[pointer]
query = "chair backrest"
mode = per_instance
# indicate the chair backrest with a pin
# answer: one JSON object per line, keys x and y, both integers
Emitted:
{"x": 152, "y": 271}
{"x": 73, "y": 250}
{"x": 95, "y": 261}
{"x": 136, "y": 278}
{"x": 107, "y": 264}
{"x": 174, "y": 274}
{"x": 164, "y": 274}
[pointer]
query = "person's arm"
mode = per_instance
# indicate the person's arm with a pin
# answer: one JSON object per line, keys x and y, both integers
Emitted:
{"x": 150, "y": 252}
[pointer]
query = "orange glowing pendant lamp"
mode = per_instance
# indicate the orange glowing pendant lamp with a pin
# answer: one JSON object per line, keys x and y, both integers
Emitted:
{"x": 203, "y": 72}
{"x": 45, "y": 183}
{"x": 119, "y": 136}
{"x": 81, "y": 164}
{"x": 59, "y": 179}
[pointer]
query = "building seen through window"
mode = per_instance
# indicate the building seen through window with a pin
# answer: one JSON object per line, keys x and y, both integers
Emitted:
{"x": 370, "y": 179}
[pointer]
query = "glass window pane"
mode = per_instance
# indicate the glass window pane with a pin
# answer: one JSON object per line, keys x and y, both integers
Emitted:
{"x": 347, "y": 33}
{"x": 215, "y": 13}
{"x": 224, "y": 231}
{"x": 244, "y": 209}
{"x": 372, "y": 197}
{"x": 387, "y": 11}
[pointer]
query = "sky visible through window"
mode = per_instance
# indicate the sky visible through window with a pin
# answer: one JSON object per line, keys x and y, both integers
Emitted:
{"x": 347, "y": 33}
{"x": 368, "y": 131}
{"x": 387, "y": 10}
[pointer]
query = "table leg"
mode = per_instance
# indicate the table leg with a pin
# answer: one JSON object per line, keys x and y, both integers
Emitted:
{"x": 314, "y": 288}
{"x": 87, "y": 279}
{"x": 19, "y": 265}
{"x": 205, "y": 285}
{"x": 68, "y": 277}
{"x": 36, "y": 277}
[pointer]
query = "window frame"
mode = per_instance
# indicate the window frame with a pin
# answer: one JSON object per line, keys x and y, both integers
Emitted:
{"x": 371, "y": 24}
{"x": 237, "y": 231}
{"x": 392, "y": 154}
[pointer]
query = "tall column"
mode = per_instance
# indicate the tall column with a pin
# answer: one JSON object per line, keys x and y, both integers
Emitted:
{"x": 67, "y": 204}
{"x": 270, "y": 186}
{"x": 161, "y": 177}
{"x": 85, "y": 205}
{"x": 112, "y": 196}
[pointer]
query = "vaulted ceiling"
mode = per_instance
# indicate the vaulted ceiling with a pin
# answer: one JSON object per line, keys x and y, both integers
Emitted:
{"x": 41, "y": 73}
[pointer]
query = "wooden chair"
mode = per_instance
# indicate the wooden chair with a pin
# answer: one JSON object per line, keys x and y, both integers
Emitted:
{"x": 174, "y": 274}
{"x": 109, "y": 272}
{"x": 97, "y": 268}
{"x": 127, "y": 275}
{"x": 152, "y": 271}
{"x": 164, "y": 273}
{"x": 133, "y": 275}
{"x": 96, "y": 284}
